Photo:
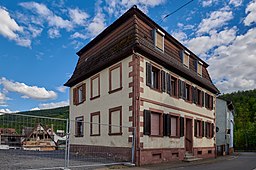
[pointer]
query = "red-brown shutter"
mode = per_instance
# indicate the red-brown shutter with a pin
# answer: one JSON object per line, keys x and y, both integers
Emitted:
{"x": 83, "y": 92}
{"x": 212, "y": 131}
{"x": 195, "y": 128}
{"x": 75, "y": 96}
{"x": 181, "y": 126}
{"x": 203, "y": 129}
{"x": 166, "y": 125}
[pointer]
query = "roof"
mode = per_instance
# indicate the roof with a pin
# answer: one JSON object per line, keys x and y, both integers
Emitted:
{"x": 103, "y": 59}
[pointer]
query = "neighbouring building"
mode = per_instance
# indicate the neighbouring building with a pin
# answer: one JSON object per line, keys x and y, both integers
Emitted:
{"x": 38, "y": 139}
{"x": 224, "y": 126}
{"x": 10, "y": 138}
{"x": 136, "y": 74}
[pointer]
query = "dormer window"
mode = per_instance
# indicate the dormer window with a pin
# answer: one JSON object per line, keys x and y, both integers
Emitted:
{"x": 159, "y": 39}
{"x": 184, "y": 56}
{"x": 199, "y": 68}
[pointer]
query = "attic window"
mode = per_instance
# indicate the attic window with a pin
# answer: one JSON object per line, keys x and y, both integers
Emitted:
{"x": 184, "y": 56}
{"x": 159, "y": 39}
{"x": 199, "y": 68}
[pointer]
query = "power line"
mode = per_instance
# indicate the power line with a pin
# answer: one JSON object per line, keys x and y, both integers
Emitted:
{"x": 176, "y": 10}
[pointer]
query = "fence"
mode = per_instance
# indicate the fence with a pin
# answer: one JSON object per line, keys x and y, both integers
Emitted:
{"x": 36, "y": 142}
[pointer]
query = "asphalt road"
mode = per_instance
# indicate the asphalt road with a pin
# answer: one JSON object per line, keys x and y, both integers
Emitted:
{"x": 244, "y": 161}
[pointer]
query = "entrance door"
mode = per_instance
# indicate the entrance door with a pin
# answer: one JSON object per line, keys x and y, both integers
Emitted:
{"x": 188, "y": 135}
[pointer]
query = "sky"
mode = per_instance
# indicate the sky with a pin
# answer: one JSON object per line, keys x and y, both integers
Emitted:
{"x": 39, "y": 41}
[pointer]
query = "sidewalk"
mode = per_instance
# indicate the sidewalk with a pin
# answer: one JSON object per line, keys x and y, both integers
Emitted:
{"x": 178, "y": 164}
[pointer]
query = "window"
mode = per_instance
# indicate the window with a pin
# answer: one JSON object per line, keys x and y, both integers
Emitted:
{"x": 208, "y": 101}
{"x": 198, "y": 128}
{"x": 115, "y": 78}
{"x": 174, "y": 86}
{"x": 174, "y": 126}
{"x": 115, "y": 121}
{"x": 153, "y": 76}
{"x": 153, "y": 123}
{"x": 199, "y": 68}
{"x": 187, "y": 93}
{"x": 95, "y": 87}
{"x": 184, "y": 56}
{"x": 199, "y": 97}
{"x": 209, "y": 130}
{"x": 79, "y": 126}
{"x": 95, "y": 124}
{"x": 79, "y": 94}
{"x": 159, "y": 39}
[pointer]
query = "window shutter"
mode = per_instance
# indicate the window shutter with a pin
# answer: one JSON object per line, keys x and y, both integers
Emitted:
{"x": 168, "y": 79}
{"x": 180, "y": 89}
{"x": 163, "y": 82}
{"x": 184, "y": 90}
{"x": 195, "y": 128}
{"x": 74, "y": 96}
{"x": 148, "y": 74}
{"x": 196, "y": 95}
{"x": 181, "y": 126}
{"x": 181, "y": 53}
{"x": 202, "y": 99}
{"x": 166, "y": 125}
{"x": 212, "y": 131}
{"x": 83, "y": 92}
{"x": 193, "y": 94}
{"x": 147, "y": 122}
{"x": 203, "y": 129}
{"x": 211, "y": 102}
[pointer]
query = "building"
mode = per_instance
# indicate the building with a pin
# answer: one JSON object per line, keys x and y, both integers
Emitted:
{"x": 10, "y": 138}
{"x": 225, "y": 126}
{"x": 38, "y": 139}
{"x": 136, "y": 74}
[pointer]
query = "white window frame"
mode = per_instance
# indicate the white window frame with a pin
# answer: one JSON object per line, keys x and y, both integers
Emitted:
{"x": 155, "y": 39}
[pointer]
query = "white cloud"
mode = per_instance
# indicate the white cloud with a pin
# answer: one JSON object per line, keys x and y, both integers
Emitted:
{"x": 51, "y": 105}
{"x": 233, "y": 65}
{"x": 79, "y": 35}
{"x": 202, "y": 44}
{"x": 97, "y": 25}
{"x": 62, "y": 89}
{"x": 8, "y": 25}
{"x": 7, "y": 111}
{"x": 52, "y": 19}
{"x": 181, "y": 36}
{"x": 78, "y": 16}
{"x": 251, "y": 11}
{"x": 53, "y": 33}
{"x": 236, "y": 3}
{"x": 34, "y": 92}
{"x": 35, "y": 31}
{"x": 3, "y": 99}
{"x": 206, "y": 3}
{"x": 216, "y": 20}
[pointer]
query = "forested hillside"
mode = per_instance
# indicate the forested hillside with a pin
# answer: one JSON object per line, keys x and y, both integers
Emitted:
{"x": 245, "y": 118}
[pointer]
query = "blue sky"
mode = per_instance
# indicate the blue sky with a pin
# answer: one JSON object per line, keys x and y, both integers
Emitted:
{"x": 39, "y": 41}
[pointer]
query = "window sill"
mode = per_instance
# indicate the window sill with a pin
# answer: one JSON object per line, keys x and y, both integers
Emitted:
{"x": 115, "y": 90}
{"x": 95, "y": 97}
{"x": 156, "y": 136}
{"x": 94, "y": 134}
{"x": 175, "y": 137}
{"x": 115, "y": 134}
{"x": 80, "y": 103}
{"x": 79, "y": 136}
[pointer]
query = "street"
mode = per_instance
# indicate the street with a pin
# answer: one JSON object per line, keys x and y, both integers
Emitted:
{"x": 244, "y": 161}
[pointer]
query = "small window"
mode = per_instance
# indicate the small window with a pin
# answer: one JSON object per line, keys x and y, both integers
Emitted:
{"x": 199, "y": 97}
{"x": 174, "y": 82}
{"x": 79, "y": 94}
{"x": 115, "y": 121}
{"x": 209, "y": 130}
{"x": 159, "y": 39}
{"x": 188, "y": 92}
{"x": 184, "y": 56}
{"x": 95, "y": 124}
{"x": 115, "y": 78}
{"x": 79, "y": 126}
{"x": 199, "y": 68}
{"x": 153, "y": 76}
{"x": 208, "y": 101}
{"x": 95, "y": 87}
{"x": 174, "y": 126}
{"x": 198, "y": 128}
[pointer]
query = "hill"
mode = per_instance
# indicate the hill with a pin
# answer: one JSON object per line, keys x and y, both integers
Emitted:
{"x": 245, "y": 118}
{"x": 55, "y": 118}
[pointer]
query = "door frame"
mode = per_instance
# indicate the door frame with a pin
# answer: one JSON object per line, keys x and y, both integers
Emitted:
{"x": 191, "y": 119}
